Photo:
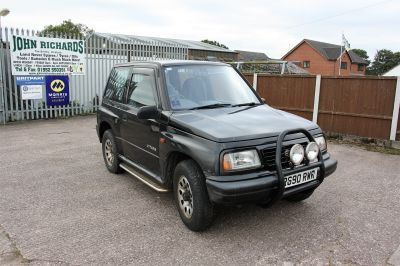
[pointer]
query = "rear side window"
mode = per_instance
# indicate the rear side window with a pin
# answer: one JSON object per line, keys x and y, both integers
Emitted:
{"x": 141, "y": 91}
{"x": 116, "y": 85}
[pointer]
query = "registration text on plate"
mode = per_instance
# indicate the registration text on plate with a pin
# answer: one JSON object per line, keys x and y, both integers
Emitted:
{"x": 300, "y": 178}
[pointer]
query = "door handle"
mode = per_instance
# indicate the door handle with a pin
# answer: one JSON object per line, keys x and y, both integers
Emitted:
{"x": 124, "y": 118}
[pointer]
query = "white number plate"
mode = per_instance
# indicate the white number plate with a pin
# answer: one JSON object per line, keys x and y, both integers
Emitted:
{"x": 300, "y": 178}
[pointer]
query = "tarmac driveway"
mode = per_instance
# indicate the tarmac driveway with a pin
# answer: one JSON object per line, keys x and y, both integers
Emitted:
{"x": 59, "y": 205}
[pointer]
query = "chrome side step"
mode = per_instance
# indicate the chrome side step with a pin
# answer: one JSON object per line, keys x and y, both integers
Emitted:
{"x": 142, "y": 178}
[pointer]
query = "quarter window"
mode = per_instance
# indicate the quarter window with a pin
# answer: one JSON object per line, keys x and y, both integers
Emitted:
{"x": 117, "y": 83}
{"x": 141, "y": 89}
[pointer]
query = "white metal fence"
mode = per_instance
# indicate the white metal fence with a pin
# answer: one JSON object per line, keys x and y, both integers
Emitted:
{"x": 102, "y": 51}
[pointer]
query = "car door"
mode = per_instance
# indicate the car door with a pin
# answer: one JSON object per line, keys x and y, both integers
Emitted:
{"x": 142, "y": 136}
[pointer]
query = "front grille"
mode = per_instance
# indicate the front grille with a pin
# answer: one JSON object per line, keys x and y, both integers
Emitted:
{"x": 268, "y": 157}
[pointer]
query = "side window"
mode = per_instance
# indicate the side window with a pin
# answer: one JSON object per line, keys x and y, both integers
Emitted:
{"x": 142, "y": 88}
{"x": 117, "y": 83}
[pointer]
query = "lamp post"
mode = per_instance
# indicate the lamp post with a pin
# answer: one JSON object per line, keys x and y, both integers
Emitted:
{"x": 3, "y": 12}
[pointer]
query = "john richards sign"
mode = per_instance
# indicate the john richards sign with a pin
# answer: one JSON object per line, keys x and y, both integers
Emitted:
{"x": 32, "y": 55}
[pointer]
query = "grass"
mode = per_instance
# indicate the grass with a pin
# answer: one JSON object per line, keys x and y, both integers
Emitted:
{"x": 365, "y": 143}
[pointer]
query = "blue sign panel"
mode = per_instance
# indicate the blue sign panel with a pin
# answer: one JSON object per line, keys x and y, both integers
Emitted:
{"x": 57, "y": 90}
{"x": 29, "y": 80}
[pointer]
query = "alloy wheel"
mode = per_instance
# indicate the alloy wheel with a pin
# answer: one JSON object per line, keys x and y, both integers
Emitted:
{"x": 185, "y": 197}
{"x": 108, "y": 152}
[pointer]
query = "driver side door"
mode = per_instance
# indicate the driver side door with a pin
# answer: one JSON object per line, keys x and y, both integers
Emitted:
{"x": 141, "y": 136}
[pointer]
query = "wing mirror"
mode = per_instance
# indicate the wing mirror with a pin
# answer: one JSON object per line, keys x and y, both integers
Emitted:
{"x": 148, "y": 112}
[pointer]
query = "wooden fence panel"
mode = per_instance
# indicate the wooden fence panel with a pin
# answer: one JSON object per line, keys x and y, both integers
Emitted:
{"x": 361, "y": 106}
{"x": 357, "y": 106}
{"x": 249, "y": 78}
{"x": 294, "y": 94}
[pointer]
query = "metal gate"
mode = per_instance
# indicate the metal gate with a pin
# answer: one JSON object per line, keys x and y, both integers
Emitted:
{"x": 102, "y": 51}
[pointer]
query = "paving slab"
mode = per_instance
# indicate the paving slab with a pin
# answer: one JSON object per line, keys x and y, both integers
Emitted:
{"x": 395, "y": 258}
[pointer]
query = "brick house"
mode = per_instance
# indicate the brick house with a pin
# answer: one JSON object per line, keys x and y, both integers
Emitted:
{"x": 323, "y": 58}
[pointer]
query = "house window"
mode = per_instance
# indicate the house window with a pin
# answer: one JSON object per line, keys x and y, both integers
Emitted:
{"x": 360, "y": 67}
{"x": 306, "y": 64}
{"x": 343, "y": 65}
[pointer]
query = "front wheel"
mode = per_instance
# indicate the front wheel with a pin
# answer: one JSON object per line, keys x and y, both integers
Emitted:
{"x": 191, "y": 198}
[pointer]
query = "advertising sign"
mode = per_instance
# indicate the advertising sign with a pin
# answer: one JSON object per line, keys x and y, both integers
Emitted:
{"x": 32, "y": 92}
{"x": 31, "y": 55}
{"x": 57, "y": 90}
{"x": 31, "y": 87}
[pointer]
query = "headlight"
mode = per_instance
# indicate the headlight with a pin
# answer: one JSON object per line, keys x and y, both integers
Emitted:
{"x": 297, "y": 154}
{"x": 241, "y": 160}
{"x": 321, "y": 142}
{"x": 312, "y": 151}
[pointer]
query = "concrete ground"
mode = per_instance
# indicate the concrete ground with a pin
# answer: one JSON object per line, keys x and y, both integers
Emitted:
{"x": 59, "y": 205}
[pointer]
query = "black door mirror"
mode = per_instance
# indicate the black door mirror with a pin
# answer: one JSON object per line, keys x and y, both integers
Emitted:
{"x": 148, "y": 112}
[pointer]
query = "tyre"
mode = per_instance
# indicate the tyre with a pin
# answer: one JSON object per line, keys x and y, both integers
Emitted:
{"x": 110, "y": 152}
{"x": 300, "y": 196}
{"x": 191, "y": 196}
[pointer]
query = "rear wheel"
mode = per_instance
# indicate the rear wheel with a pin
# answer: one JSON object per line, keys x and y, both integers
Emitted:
{"x": 110, "y": 152}
{"x": 191, "y": 198}
{"x": 300, "y": 196}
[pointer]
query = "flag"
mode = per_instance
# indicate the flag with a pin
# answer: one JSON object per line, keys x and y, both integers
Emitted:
{"x": 345, "y": 43}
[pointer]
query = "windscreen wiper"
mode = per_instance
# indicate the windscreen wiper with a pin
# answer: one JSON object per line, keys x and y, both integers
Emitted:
{"x": 210, "y": 106}
{"x": 246, "y": 104}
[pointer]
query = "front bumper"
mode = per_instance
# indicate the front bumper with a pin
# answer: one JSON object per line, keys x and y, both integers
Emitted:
{"x": 257, "y": 187}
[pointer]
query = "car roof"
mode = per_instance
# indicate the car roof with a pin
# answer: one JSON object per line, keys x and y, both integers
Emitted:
{"x": 171, "y": 63}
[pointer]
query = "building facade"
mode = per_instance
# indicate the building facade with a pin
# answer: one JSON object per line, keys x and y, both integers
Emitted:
{"x": 324, "y": 58}
{"x": 129, "y": 44}
{"x": 249, "y": 56}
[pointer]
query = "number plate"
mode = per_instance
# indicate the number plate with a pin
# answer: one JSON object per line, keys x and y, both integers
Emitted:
{"x": 300, "y": 178}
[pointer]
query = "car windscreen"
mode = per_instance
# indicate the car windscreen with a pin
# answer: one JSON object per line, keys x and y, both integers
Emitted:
{"x": 197, "y": 86}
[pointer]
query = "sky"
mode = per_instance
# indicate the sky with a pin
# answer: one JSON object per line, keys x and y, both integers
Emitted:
{"x": 271, "y": 27}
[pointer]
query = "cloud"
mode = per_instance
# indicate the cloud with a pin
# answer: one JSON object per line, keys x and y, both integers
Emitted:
{"x": 267, "y": 26}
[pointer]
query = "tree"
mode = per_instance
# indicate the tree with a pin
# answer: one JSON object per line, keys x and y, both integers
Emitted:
{"x": 363, "y": 54}
{"x": 384, "y": 60}
{"x": 215, "y": 43}
{"x": 67, "y": 27}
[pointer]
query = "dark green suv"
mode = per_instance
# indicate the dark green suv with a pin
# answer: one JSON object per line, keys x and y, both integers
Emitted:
{"x": 200, "y": 130}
